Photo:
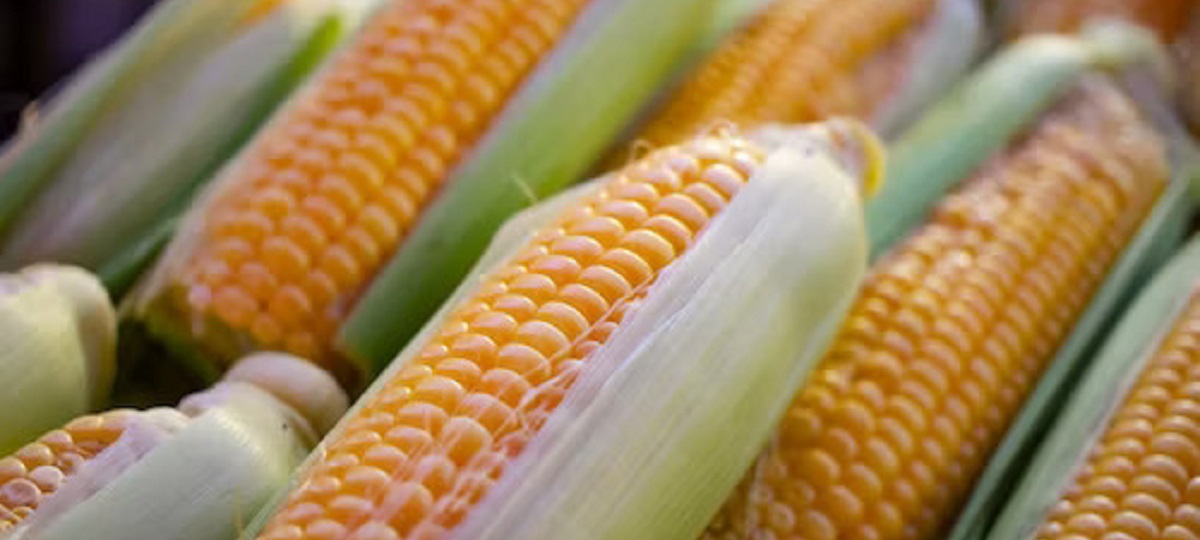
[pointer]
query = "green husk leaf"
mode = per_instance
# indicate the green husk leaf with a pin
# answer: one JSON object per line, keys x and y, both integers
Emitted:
{"x": 1108, "y": 379}
{"x": 164, "y": 132}
{"x": 30, "y": 158}
{"x": 967, "y": 126}
{"x": 551, "y": 132}
{"x": 58, "y": 332}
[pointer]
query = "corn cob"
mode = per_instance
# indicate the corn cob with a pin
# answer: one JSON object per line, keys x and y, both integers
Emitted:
{"x": 147, "y": 121}
{"x": 804, "y": 60}
{"x": 285, "y": 245}
{"x": 1118, "y": 463}
{"x": 951, "y": 332}
{"x": 58, "y": 331}
{"x": 185, "y": 472}
{"x": 543, "y": 344}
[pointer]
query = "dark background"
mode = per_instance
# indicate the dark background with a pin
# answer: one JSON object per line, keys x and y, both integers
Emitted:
{"x": 41, "y": 41}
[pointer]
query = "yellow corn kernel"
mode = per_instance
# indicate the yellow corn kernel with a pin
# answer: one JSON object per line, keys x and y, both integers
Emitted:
{"x": 798, "y": 61}
{"x": 951, "y": 332}
{"x": 329, "y": 190}
{"x": 1139, "y": 480}
{"x": 41, "y": 467}
{"x": 422, "y": 451}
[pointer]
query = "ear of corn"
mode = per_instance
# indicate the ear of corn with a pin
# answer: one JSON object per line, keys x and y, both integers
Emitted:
{"x": 803, "y": 60}
{"x": 149, "y": 121}
{"x": 955, "y": 326}
{"x": 1155, "y": 242}
{"x": 965, "y": 128}
{"x": 596, "y": 332}
{"x": 377, "y": 186}
{"x": 1121, "y": 456}
{"x": 193, "y": 473}
{"x": 58, "y": 332}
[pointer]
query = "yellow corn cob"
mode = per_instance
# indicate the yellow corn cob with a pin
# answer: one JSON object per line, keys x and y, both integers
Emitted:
{"x": 1140, "y": 478}
{"x": 950, "y": 333}
{"x": 331, "y": 188}
{"x": 428, "y": 445}
{"x": 798, "y": 61}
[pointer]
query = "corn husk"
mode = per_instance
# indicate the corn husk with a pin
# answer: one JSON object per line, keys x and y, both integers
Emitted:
{"x": 58, "y": 336}
{"x": 148, "y": 121}
{"x": 199, "y": 472}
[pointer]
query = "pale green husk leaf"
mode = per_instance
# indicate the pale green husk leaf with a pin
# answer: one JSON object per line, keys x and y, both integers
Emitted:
{"x": 57, "y": 349}
{"x": 200, "y": 483}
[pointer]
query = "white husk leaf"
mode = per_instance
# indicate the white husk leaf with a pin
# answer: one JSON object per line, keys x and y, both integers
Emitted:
{"x": 202, "y": 483}
{"x": 57, "y": 346}
{"x": 952, "y": 40}
{"x": 677, "y": 403}
{"x": 154, "y": 140}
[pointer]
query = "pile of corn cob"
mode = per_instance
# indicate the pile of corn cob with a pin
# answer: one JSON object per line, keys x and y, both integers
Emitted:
{"x": 843, "y": 270}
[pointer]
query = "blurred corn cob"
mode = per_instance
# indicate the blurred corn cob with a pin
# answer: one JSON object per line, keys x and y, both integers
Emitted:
{"x": 1175, "y": 22}
{"x": 1120, "y": 461}
{"x": 138, "y": 129}
{"x": 804, "y": 60}
{"x": 406, "y": 136}
{"x": 952, "y": 330}
{"x": 58, "y": 336}
{"x": 188, "y": 473}
{"x": 979, "y": 120}
{"x": 557, "y": 344}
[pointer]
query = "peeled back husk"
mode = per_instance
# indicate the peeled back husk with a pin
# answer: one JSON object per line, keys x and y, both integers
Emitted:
{"x": 199, "y": 472}
{"x": 57, "y": 349}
